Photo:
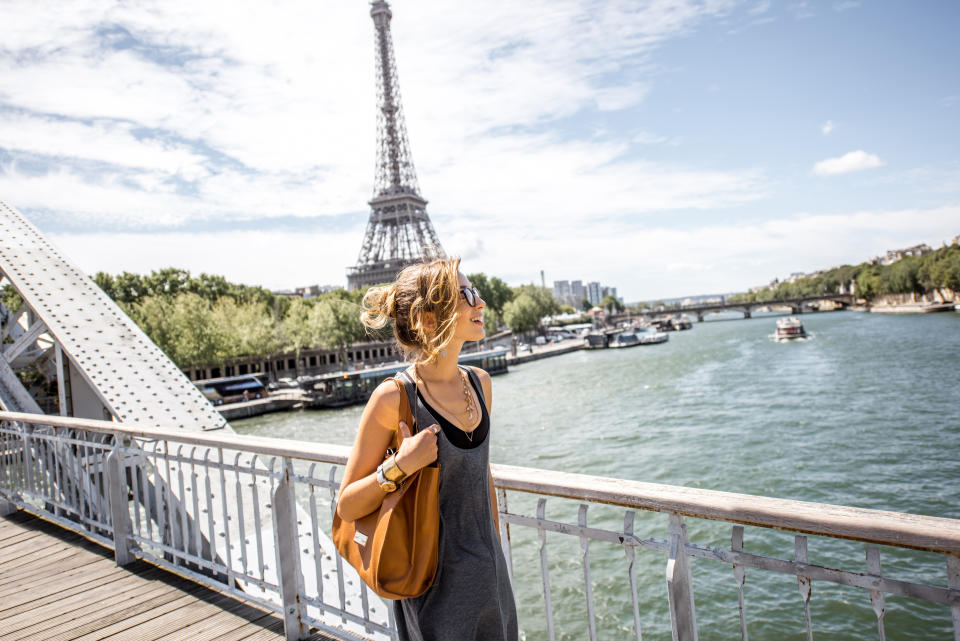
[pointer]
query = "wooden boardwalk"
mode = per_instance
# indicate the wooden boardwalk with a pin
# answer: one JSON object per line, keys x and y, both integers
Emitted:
{"x": 56, "y": 585}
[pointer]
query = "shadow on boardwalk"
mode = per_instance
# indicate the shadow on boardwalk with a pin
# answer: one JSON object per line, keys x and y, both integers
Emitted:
{"x": 57, "y": 585}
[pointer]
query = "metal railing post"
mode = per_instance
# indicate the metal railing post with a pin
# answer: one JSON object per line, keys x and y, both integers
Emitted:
{"x": 953, "y": 581}
{"x": 119, "y": 507}
{"x": 683, "y": 616}
{"x": 290, "y": 577}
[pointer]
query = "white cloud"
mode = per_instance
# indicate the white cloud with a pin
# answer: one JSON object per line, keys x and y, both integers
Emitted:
{"x": 852, "y": 161}
{"x": 844, "y": 5}
{"x": 652, "y": 260}
{"x": 647, "y": 138}
{"x": 826, "y": 128}
{"x": 801, "y": 10}
{"x": 242, "y": 256}
{"x": 270, "y": 111}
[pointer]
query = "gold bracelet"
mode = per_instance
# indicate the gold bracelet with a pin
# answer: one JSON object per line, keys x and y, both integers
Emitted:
{"x": 392, "y": 471}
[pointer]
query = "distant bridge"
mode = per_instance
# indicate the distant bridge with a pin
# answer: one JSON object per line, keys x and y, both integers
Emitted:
{"x": 796, "y": 306}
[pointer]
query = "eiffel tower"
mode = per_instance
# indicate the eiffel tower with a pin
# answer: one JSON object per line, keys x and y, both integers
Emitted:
{"x": 399, "y": 231}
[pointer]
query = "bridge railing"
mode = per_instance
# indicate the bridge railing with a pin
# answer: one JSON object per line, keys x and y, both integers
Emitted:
{"x": 248, "y": 515}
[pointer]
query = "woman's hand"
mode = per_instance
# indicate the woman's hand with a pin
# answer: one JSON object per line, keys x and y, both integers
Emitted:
{"x": 417, "y": 451}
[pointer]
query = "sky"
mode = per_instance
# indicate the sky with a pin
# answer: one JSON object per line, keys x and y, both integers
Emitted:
{"x": 664, "y": 147}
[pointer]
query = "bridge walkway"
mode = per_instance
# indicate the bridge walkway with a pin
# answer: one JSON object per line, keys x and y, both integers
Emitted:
{"x": 57, "y": 585}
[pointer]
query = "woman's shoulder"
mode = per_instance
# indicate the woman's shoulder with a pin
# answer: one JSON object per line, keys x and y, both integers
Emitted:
{"x": 386, "y": 397}
{"x": 480, "y": 372}
{"x": 387, "y": 390}
{"x": 484, "y": 377}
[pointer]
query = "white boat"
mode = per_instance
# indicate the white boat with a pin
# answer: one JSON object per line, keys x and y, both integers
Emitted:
{"x": 789, "y": 329}
{"x": 624, "y": 339}
{"x": 653, "y": 338}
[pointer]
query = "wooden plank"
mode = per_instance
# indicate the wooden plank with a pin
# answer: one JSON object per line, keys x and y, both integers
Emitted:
{"x": 55, "y": 622}
{"x": 16, "y": 536}
{"x": 52, "y": 570}
{"x": 45, "y": 554}
{"x": 23, "y": 537}
{"x": 73, "y": 606}
{"x": 14, "y": 524}
{"x": 59, "y": 588}
{"x": 191, "y": 612}
{"x": 216, "y": 626}
{"x": 133, "y": 621}
{"x": 272, "y": 632}
{"x": 144, "y": 606}
{"x": 899, "y": 529}
{"x": 87, "y": 583}
{"x": 36, "y": 547}
{"x": 60, "y": 554}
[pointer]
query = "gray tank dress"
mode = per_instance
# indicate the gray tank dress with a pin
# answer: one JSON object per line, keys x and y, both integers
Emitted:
{"x": 471, "y": 598}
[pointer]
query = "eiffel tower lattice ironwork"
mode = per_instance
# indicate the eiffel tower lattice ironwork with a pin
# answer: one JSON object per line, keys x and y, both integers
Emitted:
{"x": 399, "y": 231}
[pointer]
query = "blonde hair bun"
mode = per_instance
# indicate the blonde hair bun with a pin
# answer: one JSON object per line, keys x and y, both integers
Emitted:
{"x": 420, "y": 290}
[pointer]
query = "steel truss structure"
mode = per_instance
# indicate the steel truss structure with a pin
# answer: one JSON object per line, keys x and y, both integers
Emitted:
{"x": 399, "y": 231}
{"x": 70, "y": 350}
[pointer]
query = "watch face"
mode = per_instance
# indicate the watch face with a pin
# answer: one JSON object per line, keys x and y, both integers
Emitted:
{"x": 385, "y": 484}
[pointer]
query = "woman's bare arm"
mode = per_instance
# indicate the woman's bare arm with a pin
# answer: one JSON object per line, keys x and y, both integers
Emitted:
{"x": 360, "y": 494}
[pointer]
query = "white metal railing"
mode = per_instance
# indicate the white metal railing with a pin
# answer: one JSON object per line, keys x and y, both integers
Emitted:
{"x": 248, "y": 515}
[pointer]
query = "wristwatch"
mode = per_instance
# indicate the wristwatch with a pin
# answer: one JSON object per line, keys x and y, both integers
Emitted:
{"x": 385, "y": 484}
{"x": 392, "y": 471}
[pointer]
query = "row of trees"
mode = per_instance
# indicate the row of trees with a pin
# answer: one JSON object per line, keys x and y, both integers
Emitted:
{"x": 934, "y": 272}
{"x": 520, "y": 308}
{"x": 205, "y": 320}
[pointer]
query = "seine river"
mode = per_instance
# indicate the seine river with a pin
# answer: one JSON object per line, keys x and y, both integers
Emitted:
{"x": 866, "y": 413}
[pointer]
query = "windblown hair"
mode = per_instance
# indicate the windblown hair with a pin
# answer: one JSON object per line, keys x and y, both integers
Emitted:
{"x": 422, "y": 288}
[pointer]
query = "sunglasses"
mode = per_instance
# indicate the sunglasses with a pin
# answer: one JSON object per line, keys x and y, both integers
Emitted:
{"x": 471, "y": 295}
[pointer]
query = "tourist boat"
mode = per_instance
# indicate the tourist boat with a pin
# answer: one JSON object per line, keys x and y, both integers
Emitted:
{"x": 624, "y": 339}
{"x": 595, "y": 340}
{"x": 789, "y": 329}
{"x": 654, "y": 338}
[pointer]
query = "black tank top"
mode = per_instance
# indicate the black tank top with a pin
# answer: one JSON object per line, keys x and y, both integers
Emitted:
{"x": 454, "y": 434}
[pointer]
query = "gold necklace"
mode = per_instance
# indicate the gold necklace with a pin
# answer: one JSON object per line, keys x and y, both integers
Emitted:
{"x": 470, "y": 406}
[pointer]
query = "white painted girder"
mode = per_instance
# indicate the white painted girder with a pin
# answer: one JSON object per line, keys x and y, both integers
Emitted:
{"x": 134, "y": 379}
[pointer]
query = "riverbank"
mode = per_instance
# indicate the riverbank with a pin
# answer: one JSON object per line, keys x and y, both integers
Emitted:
{"x": 538, "y": 352}
{"x": 913, "y": 308}
{"x": 276, "y": 402}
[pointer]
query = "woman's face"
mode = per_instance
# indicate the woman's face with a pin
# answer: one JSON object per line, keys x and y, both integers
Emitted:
{"x": 469, "y": 318}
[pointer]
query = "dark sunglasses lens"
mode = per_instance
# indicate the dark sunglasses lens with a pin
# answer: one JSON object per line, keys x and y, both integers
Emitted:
{"x": 471, "y": 295}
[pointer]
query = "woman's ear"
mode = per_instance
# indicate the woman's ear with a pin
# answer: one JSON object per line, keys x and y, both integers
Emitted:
{"x": 428, "y": 321}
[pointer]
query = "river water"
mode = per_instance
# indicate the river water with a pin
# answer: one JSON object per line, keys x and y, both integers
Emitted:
{"x": 866, "y": 413}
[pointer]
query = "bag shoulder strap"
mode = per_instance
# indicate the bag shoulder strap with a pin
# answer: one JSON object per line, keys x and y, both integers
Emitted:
{"x": 411, "y": 388}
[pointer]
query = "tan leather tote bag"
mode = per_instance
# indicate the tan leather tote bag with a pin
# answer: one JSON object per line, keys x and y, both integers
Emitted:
{"x": 394, "y": 549}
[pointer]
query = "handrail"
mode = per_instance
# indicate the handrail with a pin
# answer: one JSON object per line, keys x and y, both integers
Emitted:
{"x": 915, "y": 531}
{"x": 315, "y": 452}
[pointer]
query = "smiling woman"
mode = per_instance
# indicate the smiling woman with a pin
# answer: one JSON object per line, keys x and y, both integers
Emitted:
{"x": 435, "y": 310}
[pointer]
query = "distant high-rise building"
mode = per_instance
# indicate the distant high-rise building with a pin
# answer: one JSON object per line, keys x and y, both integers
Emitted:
{"x": 594, "y": 293}
{"x": 578, "y": 291}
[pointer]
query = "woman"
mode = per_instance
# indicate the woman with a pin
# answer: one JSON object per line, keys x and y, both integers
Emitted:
{"x": 435, "y": 310}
